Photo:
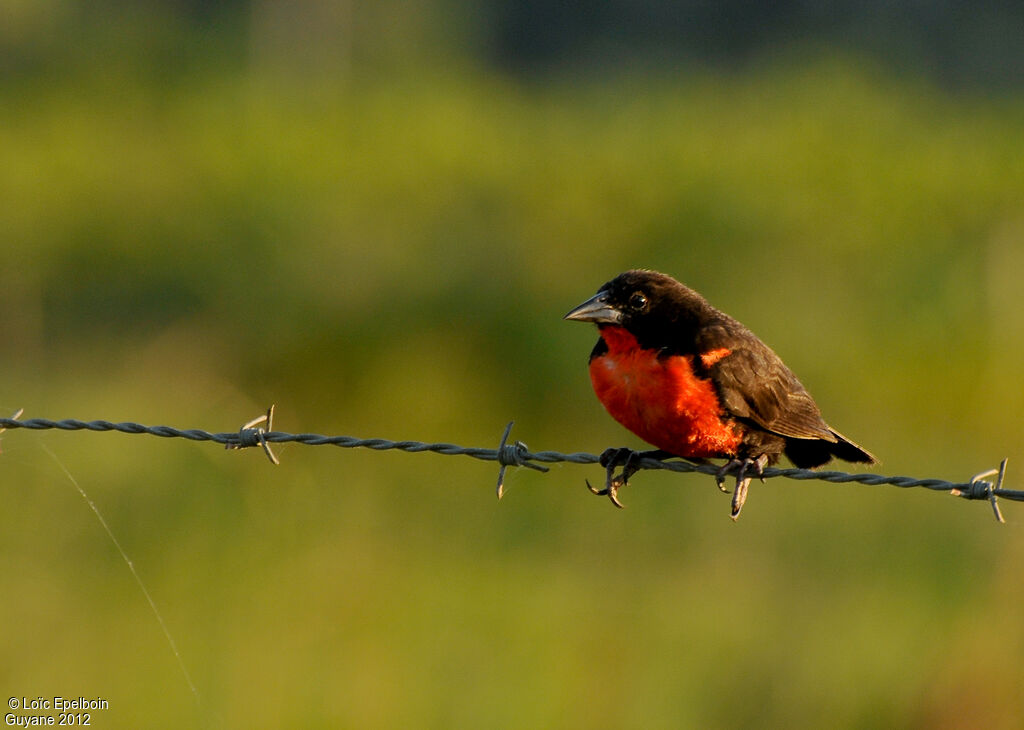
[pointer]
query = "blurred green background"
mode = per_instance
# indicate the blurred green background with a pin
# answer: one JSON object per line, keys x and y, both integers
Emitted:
{"x": 374, "y": 216}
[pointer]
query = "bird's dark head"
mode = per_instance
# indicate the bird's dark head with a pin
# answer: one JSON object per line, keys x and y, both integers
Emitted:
{"x": 653, "y": 307}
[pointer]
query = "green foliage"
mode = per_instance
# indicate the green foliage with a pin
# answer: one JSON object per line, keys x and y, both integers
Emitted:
{"x": 393, "y": 258}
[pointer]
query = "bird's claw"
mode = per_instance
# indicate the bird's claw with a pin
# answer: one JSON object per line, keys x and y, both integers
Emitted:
{"x": 611, "y": 490}
{"x": 724, "y": 471}
{"x": 739, "y": 497}
{"x": 610, "y": 459}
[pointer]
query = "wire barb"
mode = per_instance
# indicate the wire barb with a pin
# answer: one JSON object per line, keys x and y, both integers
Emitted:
{"x": 252, "y": 434}
{"x": 978, "y": 488}
{"x": 514, "y": 454}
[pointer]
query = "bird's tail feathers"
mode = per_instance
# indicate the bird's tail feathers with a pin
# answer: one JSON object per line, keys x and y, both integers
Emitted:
{"x": 848, "y": 451}
{"x": 809, "y": 453}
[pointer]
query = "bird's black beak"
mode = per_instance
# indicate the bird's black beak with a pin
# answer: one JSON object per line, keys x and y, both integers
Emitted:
{"x": 597, "y": 310}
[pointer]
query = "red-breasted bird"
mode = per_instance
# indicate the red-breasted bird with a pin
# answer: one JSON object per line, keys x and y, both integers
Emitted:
{"x": 695, "y": 383}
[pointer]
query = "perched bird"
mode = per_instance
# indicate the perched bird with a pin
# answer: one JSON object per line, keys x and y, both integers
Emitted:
{"x": 695, "y": 383}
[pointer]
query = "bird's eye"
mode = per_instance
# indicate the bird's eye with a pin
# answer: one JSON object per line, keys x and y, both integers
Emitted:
{"x": 638, "y": 301}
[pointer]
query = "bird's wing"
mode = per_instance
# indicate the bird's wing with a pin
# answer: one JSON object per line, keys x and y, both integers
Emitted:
{"x": 753, "y": 383}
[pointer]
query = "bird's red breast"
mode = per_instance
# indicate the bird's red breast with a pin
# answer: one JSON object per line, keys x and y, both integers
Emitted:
{"x": 661, "y": 399}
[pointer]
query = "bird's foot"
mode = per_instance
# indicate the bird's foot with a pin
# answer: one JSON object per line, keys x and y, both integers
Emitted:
{"x": 610, "y": 459}
{"x": 742, "y": 466}
{"x": 629, "y": 460}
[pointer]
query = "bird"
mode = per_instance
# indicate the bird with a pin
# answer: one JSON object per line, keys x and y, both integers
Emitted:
{"x": 697, "y": 384}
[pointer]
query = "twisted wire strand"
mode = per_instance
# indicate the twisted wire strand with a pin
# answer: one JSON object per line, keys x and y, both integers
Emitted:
{"x": 515, "y": 454}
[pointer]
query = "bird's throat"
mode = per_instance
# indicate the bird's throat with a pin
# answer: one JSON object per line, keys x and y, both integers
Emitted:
{"x": 619, "y": 340}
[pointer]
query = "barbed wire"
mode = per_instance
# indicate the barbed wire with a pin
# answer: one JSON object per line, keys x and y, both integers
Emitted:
{"x": 259, "y": 432}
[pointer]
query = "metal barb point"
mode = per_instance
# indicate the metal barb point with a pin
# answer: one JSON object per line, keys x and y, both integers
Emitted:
{"x": 252, "y": 434}
{"x": 15, "y": 417}
{"x": 501, "y": 471}
{"x": 514, "y": 454}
